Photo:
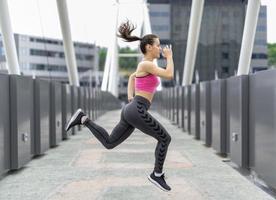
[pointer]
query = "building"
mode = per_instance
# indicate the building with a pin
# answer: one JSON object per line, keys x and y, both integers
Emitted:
{"x": 220, "y": 36}
{"x": 160, "y": 16}
{"x": 44, "y": 58}
{"x": 259, "y": 56}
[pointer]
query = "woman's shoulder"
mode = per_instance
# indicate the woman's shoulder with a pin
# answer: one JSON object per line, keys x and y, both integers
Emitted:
{"x": 145, "y": 62}
{"x": 144, "y": 65}
{"x": 141, "y": 73}
{"x": 145, "y": 68}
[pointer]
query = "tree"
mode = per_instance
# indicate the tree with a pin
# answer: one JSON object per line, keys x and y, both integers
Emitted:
{"x": 128, "y": 63}
{"x": 125, "y": 63}
{"x": 272, "y": 54}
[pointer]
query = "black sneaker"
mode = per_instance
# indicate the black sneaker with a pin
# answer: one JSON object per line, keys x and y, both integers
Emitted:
{"x": 159, "y": 181}
{"x": 75, "y": 119}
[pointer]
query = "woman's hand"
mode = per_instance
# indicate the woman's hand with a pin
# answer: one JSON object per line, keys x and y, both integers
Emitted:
{"x": 130, "y": 99}
{"x": 167, "y": 51}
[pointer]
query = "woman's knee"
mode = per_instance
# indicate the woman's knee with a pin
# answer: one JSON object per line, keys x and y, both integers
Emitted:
{"x": 110, "y": 146}
{"x": 167, "y": 139}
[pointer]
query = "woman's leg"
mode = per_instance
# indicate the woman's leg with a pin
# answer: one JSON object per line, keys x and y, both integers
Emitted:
{"x": 150, "y": 126}
{"x": 136, "y": 114}
{"x": 120, "y": 133}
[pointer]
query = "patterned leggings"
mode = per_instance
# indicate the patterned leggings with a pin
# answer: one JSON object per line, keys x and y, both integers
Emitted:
{"x": 135, "y": 115}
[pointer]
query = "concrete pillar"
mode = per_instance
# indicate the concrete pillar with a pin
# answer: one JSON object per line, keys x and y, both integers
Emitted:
{"x": 106, "y": 69}
{"x": 146, "y": 20}
{"x": 8, "y": 39}
{"x": 70, "y": 55}
{"x": 248, "y": 38}
{"x": 192, "y": 43}
{"x": 114, "y": 75}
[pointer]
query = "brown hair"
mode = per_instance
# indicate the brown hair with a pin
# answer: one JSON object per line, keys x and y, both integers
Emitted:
{"x": 125, "y": 31}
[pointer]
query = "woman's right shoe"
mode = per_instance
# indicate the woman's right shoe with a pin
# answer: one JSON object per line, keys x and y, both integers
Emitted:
{"x": 75, "y": 119}
{"x": 159, "y": 182}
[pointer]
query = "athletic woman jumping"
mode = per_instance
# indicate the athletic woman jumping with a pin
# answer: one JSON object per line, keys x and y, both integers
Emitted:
{"x": 143, "y": 83}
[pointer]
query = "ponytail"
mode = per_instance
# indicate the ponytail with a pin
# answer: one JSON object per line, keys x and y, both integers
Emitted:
{"x": 125, "y": 31}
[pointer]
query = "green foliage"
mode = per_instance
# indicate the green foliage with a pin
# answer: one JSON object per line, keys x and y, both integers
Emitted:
{"x": 272, "y": 54}
{"x": 127, "y": 63}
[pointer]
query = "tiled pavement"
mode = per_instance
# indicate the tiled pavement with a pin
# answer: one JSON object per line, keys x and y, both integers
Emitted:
{"x": 81, "y": 168}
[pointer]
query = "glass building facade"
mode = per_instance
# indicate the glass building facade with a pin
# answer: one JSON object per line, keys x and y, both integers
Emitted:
{"x": 220, "y": 36}
{"x": 45, "y": 58}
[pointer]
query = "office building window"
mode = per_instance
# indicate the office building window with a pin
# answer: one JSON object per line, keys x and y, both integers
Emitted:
{"x": 81, "y": 45}
{"x": 260, "y": 42}
{"x": 46, "y": 67}
{"x": 261, "y": 28}
{"x": 48, "y": 41}
{"x": 262, "y": 14}
{"x": 224, "y": 72}
{"x": 160, "y": 27}
{"x": 259, "y": 56}
{"x": 159, "y": 14}
{"x": 89, "y": 57}
{"x": 225, "y": 55}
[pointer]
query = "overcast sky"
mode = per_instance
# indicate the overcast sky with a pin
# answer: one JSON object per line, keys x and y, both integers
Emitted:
{"x": 90, "y": 20}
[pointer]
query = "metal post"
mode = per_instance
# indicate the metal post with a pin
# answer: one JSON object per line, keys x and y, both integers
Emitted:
{"x": 192, "y": 43}
{"x": 8, "y": 39}
{"x": 68, "y": 43}
{"x": 248, "y": 38}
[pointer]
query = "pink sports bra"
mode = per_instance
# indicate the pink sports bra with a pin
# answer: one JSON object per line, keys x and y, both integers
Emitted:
{"x": 147, "y": 83}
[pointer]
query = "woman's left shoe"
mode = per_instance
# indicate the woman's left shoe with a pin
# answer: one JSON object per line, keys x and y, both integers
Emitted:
{"x": 75, "y": 119}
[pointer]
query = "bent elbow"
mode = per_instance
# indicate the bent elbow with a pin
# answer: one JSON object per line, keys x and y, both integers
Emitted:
{"x": 170, "y": 77}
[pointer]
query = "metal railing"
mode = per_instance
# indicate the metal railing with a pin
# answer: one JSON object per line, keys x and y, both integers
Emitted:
{"x": 34, "y": 112}
{"x": 234, "y": 116}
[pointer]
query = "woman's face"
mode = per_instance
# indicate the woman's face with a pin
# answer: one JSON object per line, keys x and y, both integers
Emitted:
{"x": 155, "y": 48}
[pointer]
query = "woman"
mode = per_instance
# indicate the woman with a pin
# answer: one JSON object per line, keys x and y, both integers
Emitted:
{"x": 135, "y": 114}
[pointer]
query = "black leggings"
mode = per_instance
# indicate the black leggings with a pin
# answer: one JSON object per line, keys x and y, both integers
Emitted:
{"x": 135, "y": 115}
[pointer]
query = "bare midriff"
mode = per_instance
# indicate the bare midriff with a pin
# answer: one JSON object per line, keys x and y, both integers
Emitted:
{"x": 147, "y": 95}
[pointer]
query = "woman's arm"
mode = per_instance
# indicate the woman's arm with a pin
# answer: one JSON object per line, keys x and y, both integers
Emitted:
{"x": 167, "y": 73}
{"x": 130, "y": 87}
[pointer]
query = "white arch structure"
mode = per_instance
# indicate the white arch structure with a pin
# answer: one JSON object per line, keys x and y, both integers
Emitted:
{"x": 110, "y": 78}
{"x": 111, "y": 75}
{"x": 250, "y": 25}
